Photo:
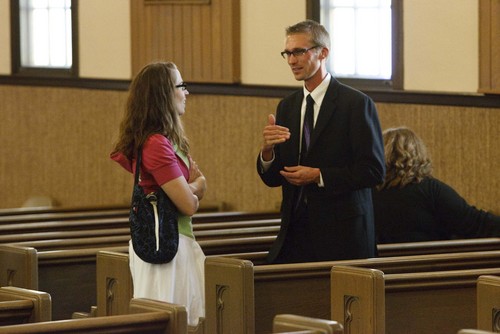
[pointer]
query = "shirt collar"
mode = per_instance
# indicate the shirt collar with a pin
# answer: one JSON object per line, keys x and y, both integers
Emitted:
{"x": 319, "y": 92}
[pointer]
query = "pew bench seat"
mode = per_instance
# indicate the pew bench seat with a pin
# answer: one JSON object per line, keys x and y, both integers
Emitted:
{"x": 144, "y": 316}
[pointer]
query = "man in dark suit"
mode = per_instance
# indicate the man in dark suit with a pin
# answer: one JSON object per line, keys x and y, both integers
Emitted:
{"x": 326, "y": 169}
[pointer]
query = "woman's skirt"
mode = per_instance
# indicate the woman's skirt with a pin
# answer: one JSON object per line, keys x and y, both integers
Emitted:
{"x": 181, "y": 281}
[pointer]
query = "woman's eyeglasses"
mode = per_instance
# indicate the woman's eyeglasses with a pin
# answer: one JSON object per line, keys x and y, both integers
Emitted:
{"x": 182, "y": 86}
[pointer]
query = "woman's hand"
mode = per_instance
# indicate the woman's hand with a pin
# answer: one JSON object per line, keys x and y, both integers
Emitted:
{"x": 197, "y": 181}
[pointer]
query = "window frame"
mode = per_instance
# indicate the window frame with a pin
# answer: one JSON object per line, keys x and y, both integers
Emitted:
{"x": 313, "y": 11}
{"x": 18, "y": 70}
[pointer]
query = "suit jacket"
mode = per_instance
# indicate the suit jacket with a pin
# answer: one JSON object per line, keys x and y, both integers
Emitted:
{"x": 347, "y": 146}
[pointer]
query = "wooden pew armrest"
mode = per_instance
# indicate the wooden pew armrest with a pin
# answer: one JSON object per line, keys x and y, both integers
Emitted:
{"x": 41, "y": 301}
{"x": 292, "y": 322}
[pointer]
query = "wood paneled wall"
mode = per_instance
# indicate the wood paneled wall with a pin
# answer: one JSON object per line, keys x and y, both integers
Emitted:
{"x": 489, "y": 46}
{"x": 56, "y": 141}
{"x": 202, "y": 39}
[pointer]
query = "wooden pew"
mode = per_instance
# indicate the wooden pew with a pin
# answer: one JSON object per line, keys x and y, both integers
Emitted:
{"x": 120, "y": 237}
{"x": 61, "y": 213}
{"x": 22, "y": 233}
{"x": 437, "y": 247}
{"x": 123, "y": 213}
{"x": 53, "y": 277}
{"x": 109, "y": 226}
{"x": 488, "y": 303}
{"x": 64, "y": 225}
{"x": 18, "y": 305}
{"x": 291, "y": 323}
{"x": 56, "y": 270}
{"x": 61, "y": 216}
{"x": 58, "y": 264}
{"x": 370, "y": 301}
{"x": 37, "y": 236}
{"x": 114, "y": 282}
{"x": 61, "y": 277}
{"x": 144, "y": 316}
{"x": 56, "y": 209}
{"x": 115, "y": 287}
{"x": 301, "y": 288}
{"x": 231, "y": 216}
{"x": 98, "y": 228}
{"x": 116, "y": 227}
{"x": 256, "y": 247}
{"x": 212, "y": 241}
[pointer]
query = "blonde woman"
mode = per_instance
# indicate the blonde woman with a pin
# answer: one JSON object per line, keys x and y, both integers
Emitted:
{"x": 156, "y": 101}
{"x": 412, "y": 205}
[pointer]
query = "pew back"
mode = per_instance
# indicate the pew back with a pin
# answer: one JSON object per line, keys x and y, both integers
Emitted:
{"x": 114, "y": 283}
{"x": 151, "y": 323}
{"x": 438, "y": 247}
{"x": 54, "y": 209}
{"x": 19, "y": 267}
{"x": 488, "y": 303}
{"x": 20, "y": 305}
{"x": 421, "y": 302}
{"x": 146, "y": 316}
{"x": 61, "y": 216}
{"x": 304, "y": 288}
{"x": 365, "y": 315}
{"x": 236, "y": 279}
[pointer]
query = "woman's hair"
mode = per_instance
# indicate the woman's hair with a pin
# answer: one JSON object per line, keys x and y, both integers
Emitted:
{"x": 406, "y": 158}
{"x": 151, "y": 109}
{"x": 319, "y": 34}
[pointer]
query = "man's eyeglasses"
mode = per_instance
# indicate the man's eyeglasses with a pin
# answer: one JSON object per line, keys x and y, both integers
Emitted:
{"x": 182, "y": 86}
{"x": 297, "y": 52}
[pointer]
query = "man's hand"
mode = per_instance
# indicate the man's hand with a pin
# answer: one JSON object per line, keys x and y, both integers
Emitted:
{"x": 301, "y": 175}
{"x": 273, "y": 134}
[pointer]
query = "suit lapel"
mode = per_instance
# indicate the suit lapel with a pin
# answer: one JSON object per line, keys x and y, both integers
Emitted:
{"x": 295, "y": 125}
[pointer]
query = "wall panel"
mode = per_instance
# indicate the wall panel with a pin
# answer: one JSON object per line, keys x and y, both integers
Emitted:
{"x": 56, "y": 141}
{"x": 202, "y": 39}
{"x": 489, "y": 46}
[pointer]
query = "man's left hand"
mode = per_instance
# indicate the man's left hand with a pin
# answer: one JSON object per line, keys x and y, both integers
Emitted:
{"x": 301, "y": 175}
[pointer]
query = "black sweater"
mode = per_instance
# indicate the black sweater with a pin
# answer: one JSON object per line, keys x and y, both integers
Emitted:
{"x": 429, "y": 210}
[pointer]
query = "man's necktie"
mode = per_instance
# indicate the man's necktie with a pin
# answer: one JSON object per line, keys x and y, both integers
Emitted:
{"x": 307, "y": 127}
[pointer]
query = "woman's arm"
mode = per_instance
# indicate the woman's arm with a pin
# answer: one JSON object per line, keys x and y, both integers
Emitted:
{"x": 179, "y": 191}
{"x": 197, "y": 181}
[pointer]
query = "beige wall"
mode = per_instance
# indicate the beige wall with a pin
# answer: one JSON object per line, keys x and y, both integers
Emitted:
{"x": 262, "y": 40}
{"x": 104, "y": 33}
{"x": 441, "y": 45}
{"x": 105, "y": 39}
{"x": 441, "y": 42}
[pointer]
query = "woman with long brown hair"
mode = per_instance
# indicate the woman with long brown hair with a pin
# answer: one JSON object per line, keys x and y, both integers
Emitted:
{"x": 156, "y": 101}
